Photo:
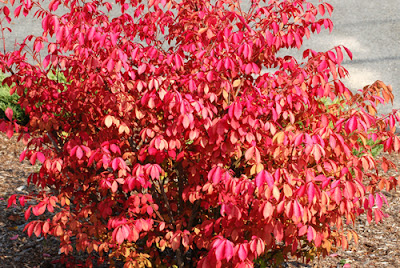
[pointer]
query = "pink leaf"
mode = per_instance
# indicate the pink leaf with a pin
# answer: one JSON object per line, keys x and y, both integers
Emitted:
{"x": 268, "y": 210}
{"x": 351, "y": 189}
{"x": 219, "y": 246}
{"x": 224, "y": 250}
{"x": 15, "y": 237}
{"x": 17, "y": 11}
{"x": 40, "y": 156}
{"x": 352, "y": 124}
{"x": 378, "y": 201}
{"x": 337, "y": 195}
{"x": 278, "y": 231}
{"x": 311, "y": 233}
{"x": 178, "y": 61}
{"x": 110, "y": 65}
{"x": 142, "y": 68}
{"x": 321, "y": 9}
{"x": 33, "y": 158}
{"x": 270, "y": 179}
{"x": 46, "y": 61}
{"x": 155, "y": 171}
{"x": 108, "y": 121}
{"x": 311, "y": 192}
{"x": 210, "y": 76}
{"x": 261, "y": 178}
{"x": 242, "y": 252}
{"x": 79, "y": 152}
{"x": 249, "y": 153}
{"x": 257, "y": 246}
{"x": 185, "y": 121}
{"x": 114, "y": 164}
{"x": 215, "y": 175}
{"x": 248, "y": 68}
{"x": 302, "y": 230}
{"x": 119, "y": 236}
{"x": 114, "y": 186}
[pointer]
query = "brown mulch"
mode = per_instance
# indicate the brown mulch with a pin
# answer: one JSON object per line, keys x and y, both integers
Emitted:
{"x": 379, "y": 244}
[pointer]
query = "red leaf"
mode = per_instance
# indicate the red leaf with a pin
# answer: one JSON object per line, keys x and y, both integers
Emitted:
{"x": 58, "y": 231}
{"x": 39, "y": 209}
{"x": 22, "y": 200}
{"x": 27, "y": 213}
{"x": 329, "y": 8}
{"x": 176, "y": 242}
{"x": 339, "y": 54}
{"x": 10, "y": 131}
{"x": 29, "y": 228}
{"x": 9, "y": 113}
{"x": 348, "y": 53}
{"x": 46, "y": 227}
{"x": 12, "y": 200}
{"x": 38, "y": 229}
{"x": 321, "y": 9}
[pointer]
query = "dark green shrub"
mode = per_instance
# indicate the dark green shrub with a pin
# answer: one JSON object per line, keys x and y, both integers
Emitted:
{"x": 11, "y": 101}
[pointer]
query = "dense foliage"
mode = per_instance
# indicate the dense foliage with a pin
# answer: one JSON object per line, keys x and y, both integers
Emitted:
{"x": 173, "y": 133}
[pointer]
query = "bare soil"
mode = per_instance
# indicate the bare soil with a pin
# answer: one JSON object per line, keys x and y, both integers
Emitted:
{"x": 379, "y": 244}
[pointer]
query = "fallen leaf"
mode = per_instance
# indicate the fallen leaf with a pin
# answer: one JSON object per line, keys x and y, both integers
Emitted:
{"x": 15, "y": 237}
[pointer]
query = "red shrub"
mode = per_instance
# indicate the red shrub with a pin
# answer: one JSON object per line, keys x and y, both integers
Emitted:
{"x": 187, "y": 147}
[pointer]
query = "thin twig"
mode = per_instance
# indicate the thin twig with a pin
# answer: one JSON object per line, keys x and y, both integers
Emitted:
{"x": 179, "y": 256}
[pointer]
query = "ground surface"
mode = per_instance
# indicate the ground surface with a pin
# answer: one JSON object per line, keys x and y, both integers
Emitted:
{"x": 379, "y": 245}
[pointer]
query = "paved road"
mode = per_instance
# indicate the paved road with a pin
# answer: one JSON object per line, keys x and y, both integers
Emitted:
{"x": 370, "y": 29}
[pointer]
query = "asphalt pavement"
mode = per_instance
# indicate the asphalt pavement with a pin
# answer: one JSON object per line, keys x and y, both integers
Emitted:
{"x": 370, "y": 29}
